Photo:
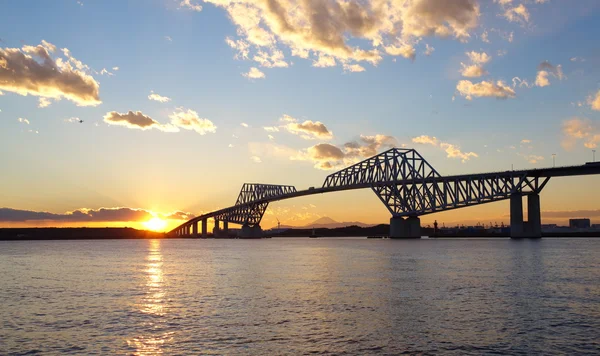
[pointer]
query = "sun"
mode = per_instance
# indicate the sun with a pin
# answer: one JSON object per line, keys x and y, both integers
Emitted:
{"x": 155, "y": 224}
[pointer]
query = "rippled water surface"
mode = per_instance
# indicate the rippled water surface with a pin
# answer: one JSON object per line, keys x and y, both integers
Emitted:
{"x": 299, "y": 296}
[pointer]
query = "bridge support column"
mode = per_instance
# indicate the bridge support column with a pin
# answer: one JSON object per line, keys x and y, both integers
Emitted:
{"x": 532, "y": 228}
{"x": 516, "y": 215}
{"x": 216, "y": 229}
{"x": 534, "y": 219}
{"x": 251, "y": 232}
{"x": 204, "y": 228}
{"x": 195, "y": 229}
{"x": 225, "y": 232}
{"x": 409, "y": 228}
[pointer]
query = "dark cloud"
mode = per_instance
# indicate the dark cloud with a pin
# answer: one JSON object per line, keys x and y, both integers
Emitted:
{"x": 88, "y": 215}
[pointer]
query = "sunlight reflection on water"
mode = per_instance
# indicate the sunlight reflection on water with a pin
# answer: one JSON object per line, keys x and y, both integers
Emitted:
{"x": 298, "y": 296}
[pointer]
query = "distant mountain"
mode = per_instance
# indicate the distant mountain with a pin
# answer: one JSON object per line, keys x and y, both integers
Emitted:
{"x": 327, "y": 222}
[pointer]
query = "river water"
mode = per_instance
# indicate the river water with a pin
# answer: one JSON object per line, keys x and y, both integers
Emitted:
{"x": 300, "y": 296}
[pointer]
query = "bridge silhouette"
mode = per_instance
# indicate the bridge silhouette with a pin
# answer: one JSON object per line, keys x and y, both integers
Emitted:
{"x": 408, "y": 186}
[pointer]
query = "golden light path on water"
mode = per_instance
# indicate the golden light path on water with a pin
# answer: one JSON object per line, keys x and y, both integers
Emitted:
{"x": 153, "y": 303}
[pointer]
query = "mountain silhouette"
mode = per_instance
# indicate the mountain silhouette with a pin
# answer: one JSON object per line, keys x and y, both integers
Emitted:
{"x": 327, "y": 222}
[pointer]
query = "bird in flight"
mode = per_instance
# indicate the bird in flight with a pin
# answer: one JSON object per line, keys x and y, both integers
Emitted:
{"x": 80, "y": 121}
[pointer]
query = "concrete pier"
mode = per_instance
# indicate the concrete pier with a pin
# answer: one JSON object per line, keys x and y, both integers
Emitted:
{"x": 195, "y": 229}
{"x": 251, "y": 232}
{"x": 216, "y": 229}
{"x": 225, "y": 231}
{"x": 532, "y": 228}
{"x": 204, "y": 228}
{"x": 409, "y": 228}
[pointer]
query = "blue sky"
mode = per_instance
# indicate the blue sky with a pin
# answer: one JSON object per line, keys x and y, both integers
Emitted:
{"x": 171, "y": 49}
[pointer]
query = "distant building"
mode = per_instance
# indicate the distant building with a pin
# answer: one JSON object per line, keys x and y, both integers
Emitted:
{"x": 579, "y": 223}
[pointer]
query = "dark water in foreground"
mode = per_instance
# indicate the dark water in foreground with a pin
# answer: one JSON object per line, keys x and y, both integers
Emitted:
{"x": 298, "y": 296}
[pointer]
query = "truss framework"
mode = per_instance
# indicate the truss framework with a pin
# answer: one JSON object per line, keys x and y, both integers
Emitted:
{"x": 413, "y": 187}
{"x": 247, "y": 213}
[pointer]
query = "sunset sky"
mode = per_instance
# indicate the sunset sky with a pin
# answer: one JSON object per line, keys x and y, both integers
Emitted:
{"x": 184, "y": 101}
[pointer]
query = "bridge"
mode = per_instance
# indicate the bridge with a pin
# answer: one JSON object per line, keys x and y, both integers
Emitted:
{"x": 408, "y": 186}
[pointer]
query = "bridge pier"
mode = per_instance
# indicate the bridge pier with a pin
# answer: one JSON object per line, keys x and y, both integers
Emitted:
{"x": 204, "y": 228}
{"x": 216, "y": 229}
{"x": 532, "y": 228}
{"x": 409, "y": 228}
{"x": 195, "y": 229}
{"x": 251, "y": 232}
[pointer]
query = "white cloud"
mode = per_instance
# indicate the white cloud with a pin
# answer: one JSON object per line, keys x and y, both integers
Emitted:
{"x": 517, "y": 14}
{"x": 315, "y": 29}
{"x": 159, "y": 98}
{"x": 189, "y": 120}
{"x": 324, "y": 61}
{"x": 475, "y": 69}
{"x": 472, "y": 71}
{"x": 255, "y": 159}
{"x": 578, "y": 129}
{"x": 428, "y": 50}
{"x": 271, "y": 137}
{"x": 525, "y": 141}
{"x": 43, "y": 102}
{"x": 545, "y": 70}
{"x": 452, "y": 151}
{"x": 354, "y": 68}
{"x": 191, "y": 5}
{"x": 168, "y": 38}
{"x": 244, "y": 124}
{"x": 31, "y": 70}
{"x": 72, "y": 120}
{"x": 497, "y": 90}
{"x": 271, "y": 128}
{"x": 594, "y": 101}
{"x": 25, "y": 121}
{"x": 254, "y": 73}
{"x": 533, "y": 159}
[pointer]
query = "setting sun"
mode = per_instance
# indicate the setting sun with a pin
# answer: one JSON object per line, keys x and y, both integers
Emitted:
{"x": 156, "y": 224}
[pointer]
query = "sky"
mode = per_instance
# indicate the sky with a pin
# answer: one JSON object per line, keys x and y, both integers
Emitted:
{"x": 116, "y": 113}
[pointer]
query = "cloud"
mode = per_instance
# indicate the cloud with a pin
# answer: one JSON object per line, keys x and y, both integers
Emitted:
{"x": 525, "y": 141}
{"x": 498, "y": 90}
{"x": 115, "y": 68}
{"x": 324, "y": 61}
{"x": 428, "y": 50}
{"x": 89, "y": 215}
{"x": 521, "y": 83}
{"x": 405, "y": 50}
{"x": 308, "y": 129}
{"x": 244, "y": 124}
{"x": 517, "y": 14}
{"x": 424, "y": 139}
{"x": 271, "y": 137}
{"x": 190, "y": 5}
{"x": 349, "y": 32}
{"x": 354, "y": 68}
{"x": 132, "y": 120}
{"x": 479, "y": 58}
{"x": 72, "y": 120}
{"x": 475, "y": 69}
{"x": 256, "y": 159}
{"x": 452, "y": 151}
{"x": 545, "y": 70}
{"x": 571, "y": 213}
{"x": 31, "y": 70}
{"x": 157, "y": 97}
{"x": 594, "y": 101}
{"x": 533, "y": 159}
{"x": 326, "y": 156}
{"x": 578, "y": 129}
{"x": 189, "y": 120}
{"x": 43, "y": 102}
{"x": 271, "y": 128}
{"x": 273, "y": 59}
{"x": 25, "y": 121}
{"x": 254, "y": 73}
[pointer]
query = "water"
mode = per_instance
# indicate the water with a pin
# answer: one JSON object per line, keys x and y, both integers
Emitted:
{"x": 300, "y": 296}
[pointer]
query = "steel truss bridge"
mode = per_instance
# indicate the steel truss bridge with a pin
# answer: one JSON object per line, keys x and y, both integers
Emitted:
{"x": 408, "y": 186}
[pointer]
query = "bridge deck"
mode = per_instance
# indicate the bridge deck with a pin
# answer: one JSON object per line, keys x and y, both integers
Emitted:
{"x": 585, "y": 169}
